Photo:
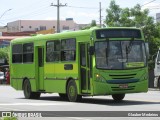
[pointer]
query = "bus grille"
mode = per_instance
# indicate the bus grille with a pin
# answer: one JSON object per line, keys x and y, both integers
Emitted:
{"x": 123, "y": 89}
{"x": 122, "y": 76}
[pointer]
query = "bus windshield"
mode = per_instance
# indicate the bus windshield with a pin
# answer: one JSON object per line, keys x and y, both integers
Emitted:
{"x": 120, "y": 54}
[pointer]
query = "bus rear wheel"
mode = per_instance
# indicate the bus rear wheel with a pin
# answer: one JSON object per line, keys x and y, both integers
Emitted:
{"x": 27, "y": 91}
{"x": 118, "y": 97}
{"x": 72, "y": 93}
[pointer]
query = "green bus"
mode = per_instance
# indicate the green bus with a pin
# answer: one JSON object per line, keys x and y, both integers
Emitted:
{"x": 99, "y": 61}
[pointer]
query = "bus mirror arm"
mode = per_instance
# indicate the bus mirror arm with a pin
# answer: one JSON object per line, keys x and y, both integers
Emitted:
{"x": 91, "y": 50}
{"x": 147, "y": 49}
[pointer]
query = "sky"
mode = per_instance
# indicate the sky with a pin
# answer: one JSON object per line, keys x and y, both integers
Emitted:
{"x": 82, "y": 11}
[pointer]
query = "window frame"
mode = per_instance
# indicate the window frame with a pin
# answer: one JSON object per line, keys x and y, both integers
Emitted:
{"x": 26, "y": 53}
{"x": 53, "y": 51}
{"x": 67, "y": 50}
{"x": 17, "y": 53}
{"x": 22, "y": 53}
{"x": 60, "y": 51}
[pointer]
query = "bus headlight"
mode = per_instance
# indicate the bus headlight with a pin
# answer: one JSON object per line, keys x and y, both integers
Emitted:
{"x": 99, "y": 78}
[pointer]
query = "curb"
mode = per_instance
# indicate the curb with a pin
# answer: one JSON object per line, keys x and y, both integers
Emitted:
{"x": 153, "y": 89}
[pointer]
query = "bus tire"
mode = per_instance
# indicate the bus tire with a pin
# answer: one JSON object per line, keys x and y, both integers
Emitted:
{"x": 72, "y": 93}
{"x": 28, "y": 92}
{"x": 27, "y": 89}
{"x": 118, "y": 97}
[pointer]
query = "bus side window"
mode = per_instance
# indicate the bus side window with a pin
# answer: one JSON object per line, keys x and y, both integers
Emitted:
{"x": 68, "y": 50}
{"x": 17, "y": 52}
{"x": 53, "y": 51}
{"x": 28, "y": 51}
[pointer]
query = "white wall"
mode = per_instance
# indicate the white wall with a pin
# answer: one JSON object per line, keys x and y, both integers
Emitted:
{"x": 33, "y": 25}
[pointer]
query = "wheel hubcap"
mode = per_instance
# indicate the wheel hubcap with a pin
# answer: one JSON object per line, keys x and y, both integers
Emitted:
{"x": 72, "y": 91}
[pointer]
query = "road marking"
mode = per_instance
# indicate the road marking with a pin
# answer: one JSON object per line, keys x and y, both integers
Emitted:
{"x": 33, "y": 104}
{"x": 78, "y": 118}
{"x": 144, "y": 100}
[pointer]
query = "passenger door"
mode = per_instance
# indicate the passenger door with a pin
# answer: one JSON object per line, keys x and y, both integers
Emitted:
{"x": 40, "y": 58}
{"x": 84, "y": 67}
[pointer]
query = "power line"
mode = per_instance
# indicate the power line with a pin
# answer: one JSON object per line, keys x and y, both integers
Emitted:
{"x": 154, "y": 7}
{"x": 83, "y": 7}
{"x": 32, "y": 6}
{"x": 36, "y": 12}
{"x": 5, "y": 13}
{"x": 148, "y": 3}
{"x": 33, "y": 10}
{"x": 2, "y": 23}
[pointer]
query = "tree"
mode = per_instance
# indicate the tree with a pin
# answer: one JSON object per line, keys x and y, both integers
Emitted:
{"x": 92, "y": 24}
{"x": 135, "y": 17}
{"x": 125, "y": 19}
{"x": 4, "y": 53}
{"x": 113, "y": 15}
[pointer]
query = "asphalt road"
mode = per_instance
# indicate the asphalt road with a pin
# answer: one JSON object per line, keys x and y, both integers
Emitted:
{"x": 12, "y": 100}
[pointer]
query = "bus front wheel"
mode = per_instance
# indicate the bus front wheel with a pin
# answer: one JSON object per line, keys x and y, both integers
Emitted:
{"x": 27, "y": 91}
{"x": 72, "y": 93}
{"x": 118, "y": 97}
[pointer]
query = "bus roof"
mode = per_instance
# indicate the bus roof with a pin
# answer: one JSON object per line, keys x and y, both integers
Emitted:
{"x": 53, "y": 36}
{"x": 64, "y": 34}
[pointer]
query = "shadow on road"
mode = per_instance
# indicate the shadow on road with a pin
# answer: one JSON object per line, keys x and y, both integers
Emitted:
{"x": 98, "y": 101}
{"x": 114, "y": 103}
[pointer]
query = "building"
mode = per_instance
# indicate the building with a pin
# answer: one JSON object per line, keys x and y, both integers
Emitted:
{"x": 3, "y": 29}
{"x": 157, "y": 17}
{"x": 39, "y": 25}
{"x": 6, "y": 37}
{"x": 23, "y": 28}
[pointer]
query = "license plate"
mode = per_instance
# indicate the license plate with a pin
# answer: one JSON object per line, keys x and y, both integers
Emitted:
{"x": 123, "y": 86}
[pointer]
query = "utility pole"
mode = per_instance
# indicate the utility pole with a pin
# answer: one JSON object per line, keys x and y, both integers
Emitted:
{"x": 58, "y": 13}
{"x": 100, "y": 16}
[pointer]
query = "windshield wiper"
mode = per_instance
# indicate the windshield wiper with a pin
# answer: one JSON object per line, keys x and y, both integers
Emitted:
{"x": 129, "y": 47}
{"x": 107, "y": 50}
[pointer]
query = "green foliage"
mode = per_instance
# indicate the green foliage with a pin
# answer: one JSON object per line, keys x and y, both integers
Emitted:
{"x": 4, "y": 53}
{"x": 113, "y": 15}
{"x": 9, "y": 118}
{"x": 93, "y": 24}
{"x": 86, "y": 27}
{"x": 135, "y": 17}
